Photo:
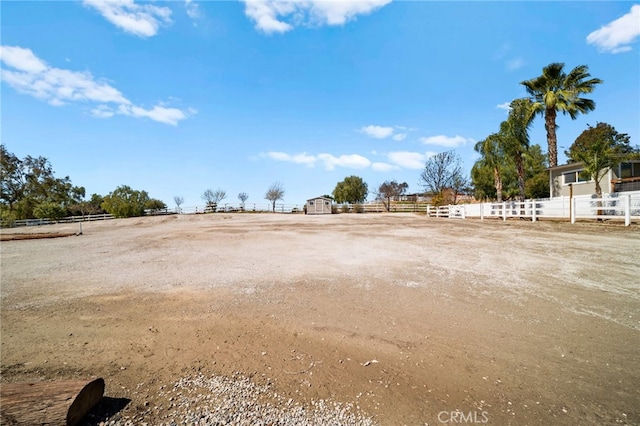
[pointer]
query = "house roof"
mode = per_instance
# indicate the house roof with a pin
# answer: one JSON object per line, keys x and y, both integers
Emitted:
{"x": 569, "y": 166}
{"x": 572, "y": 166}
{"x": 320, "y": 198}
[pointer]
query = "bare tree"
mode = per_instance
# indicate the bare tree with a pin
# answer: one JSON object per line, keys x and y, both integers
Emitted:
{"x": 178, "y": 200}
{"x": 441, "y": 172}
{"x": 275, "y": 193}
{"x": 208, "y": 197}
{"x": 219, "y": 195}
{"x": 243, "y": 197}
{"x": 390, "y": 190}
{"x": 212, "y": 198}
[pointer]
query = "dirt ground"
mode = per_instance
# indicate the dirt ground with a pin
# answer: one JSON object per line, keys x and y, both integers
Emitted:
{"x": 505, "y": 322}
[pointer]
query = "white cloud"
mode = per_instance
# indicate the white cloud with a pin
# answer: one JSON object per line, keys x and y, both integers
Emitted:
{"x": 353, "y": 161}
{"x": 515, "y": 63}
{"x": 265, "y": 15}
{"x": 193, "y": 10}
{"x": 303, "y": 158}
{"x": 102, "y": 111}
{"x": 157, "y": 113}
{"x": 446, "y": 141}
{"x": 408, "y": 160}
{"x": 339, "y": 12}
{"x": 279, "y": 16}
{"x": 32, "y": 76}
{"x": 22, "y": 59}
{"x": 330, "y": 162}
{"x": 377, "y": 132}
{"x": 141, "y": 20}
{"x": 616, "y": 36}
{"x": 383, "y": 167}
{"x": 397, "y": 160}
{"x": 382, "y": 132}
{"x": 505, "y": 106}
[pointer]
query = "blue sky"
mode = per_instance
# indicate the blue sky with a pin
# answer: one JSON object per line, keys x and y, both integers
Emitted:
{"x": 177, "y": 97}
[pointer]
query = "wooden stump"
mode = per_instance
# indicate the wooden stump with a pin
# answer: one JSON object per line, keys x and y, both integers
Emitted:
{"x": 48, "y": 403}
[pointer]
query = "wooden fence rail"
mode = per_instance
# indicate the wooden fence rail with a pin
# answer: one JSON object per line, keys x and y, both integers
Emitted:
{"x": 69, "y": 219}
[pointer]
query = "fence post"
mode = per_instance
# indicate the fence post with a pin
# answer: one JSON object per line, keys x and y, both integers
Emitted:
{"x": 464, "y": 213}
{"x": 481, "y": 211}
{"x": 627, "y": 210}
{"x": 533, "y": 210}
{"x": 572, "y": 210}
{"x": 504, "y": 211}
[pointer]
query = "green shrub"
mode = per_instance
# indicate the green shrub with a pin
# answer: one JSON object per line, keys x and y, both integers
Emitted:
{"x": 49, "y": 210}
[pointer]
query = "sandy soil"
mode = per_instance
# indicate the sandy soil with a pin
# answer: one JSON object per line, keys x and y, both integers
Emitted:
{"x": 517, "y": 322}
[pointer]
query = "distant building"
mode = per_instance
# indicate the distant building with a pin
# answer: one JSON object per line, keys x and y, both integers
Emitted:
{"x": 414, "y": 198}
{"x": 624, "y": 178}
{"x": 319, "y": 205}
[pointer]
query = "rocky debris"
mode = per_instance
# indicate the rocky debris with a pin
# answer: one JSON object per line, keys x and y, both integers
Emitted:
{"x": 219, "y": 400}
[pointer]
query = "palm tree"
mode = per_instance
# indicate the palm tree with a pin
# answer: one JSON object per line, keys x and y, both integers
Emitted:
{"x": 514, "y": 134}
{"x": 555, "y": 91}
{"x": 491, "y": 151}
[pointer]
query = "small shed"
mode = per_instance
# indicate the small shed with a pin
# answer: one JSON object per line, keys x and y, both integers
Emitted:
{"x": 319, "y": 205}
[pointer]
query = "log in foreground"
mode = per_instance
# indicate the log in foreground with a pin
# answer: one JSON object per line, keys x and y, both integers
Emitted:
{"x": 48, "y": 403}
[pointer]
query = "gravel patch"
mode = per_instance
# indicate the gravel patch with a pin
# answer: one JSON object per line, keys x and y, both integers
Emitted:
{"x": 236, "y": 400}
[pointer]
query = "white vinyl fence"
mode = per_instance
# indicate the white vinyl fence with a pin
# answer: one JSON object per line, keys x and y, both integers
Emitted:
{"x": 623, "y": 207}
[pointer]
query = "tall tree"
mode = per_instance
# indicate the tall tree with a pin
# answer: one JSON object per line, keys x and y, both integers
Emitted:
{"x": 154, "y": 205}
{"x": 599, "y": 149}
{"x": 484, "y": 172}
{"x": 351, "y": 190}
{"x": 536, "y": 184}
{"x": 125, "y": 202}
{"x": 492, "y": 158}
{"x": 555, "y": 91}
{"x": 390, "y": 190}
{"x": 91, "y": 206}
{"x": 274, "y": 193}
{"x": 515, "y": 136}
{"x": 28, "y": 182}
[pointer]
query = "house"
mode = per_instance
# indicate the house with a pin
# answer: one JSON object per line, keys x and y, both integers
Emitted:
{"x": 570, "y": 179}
{"x": 318, "y": 205}
{"x": 414, "y": 198}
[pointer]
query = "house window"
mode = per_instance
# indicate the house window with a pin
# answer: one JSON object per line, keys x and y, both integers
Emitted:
{"x": 310, "y": 203}
{"x": 629, "y": 170}
{"x": 577, "y": 176}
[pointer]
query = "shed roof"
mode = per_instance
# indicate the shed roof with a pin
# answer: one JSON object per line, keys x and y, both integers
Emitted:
{"x": 320, "y": 198}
